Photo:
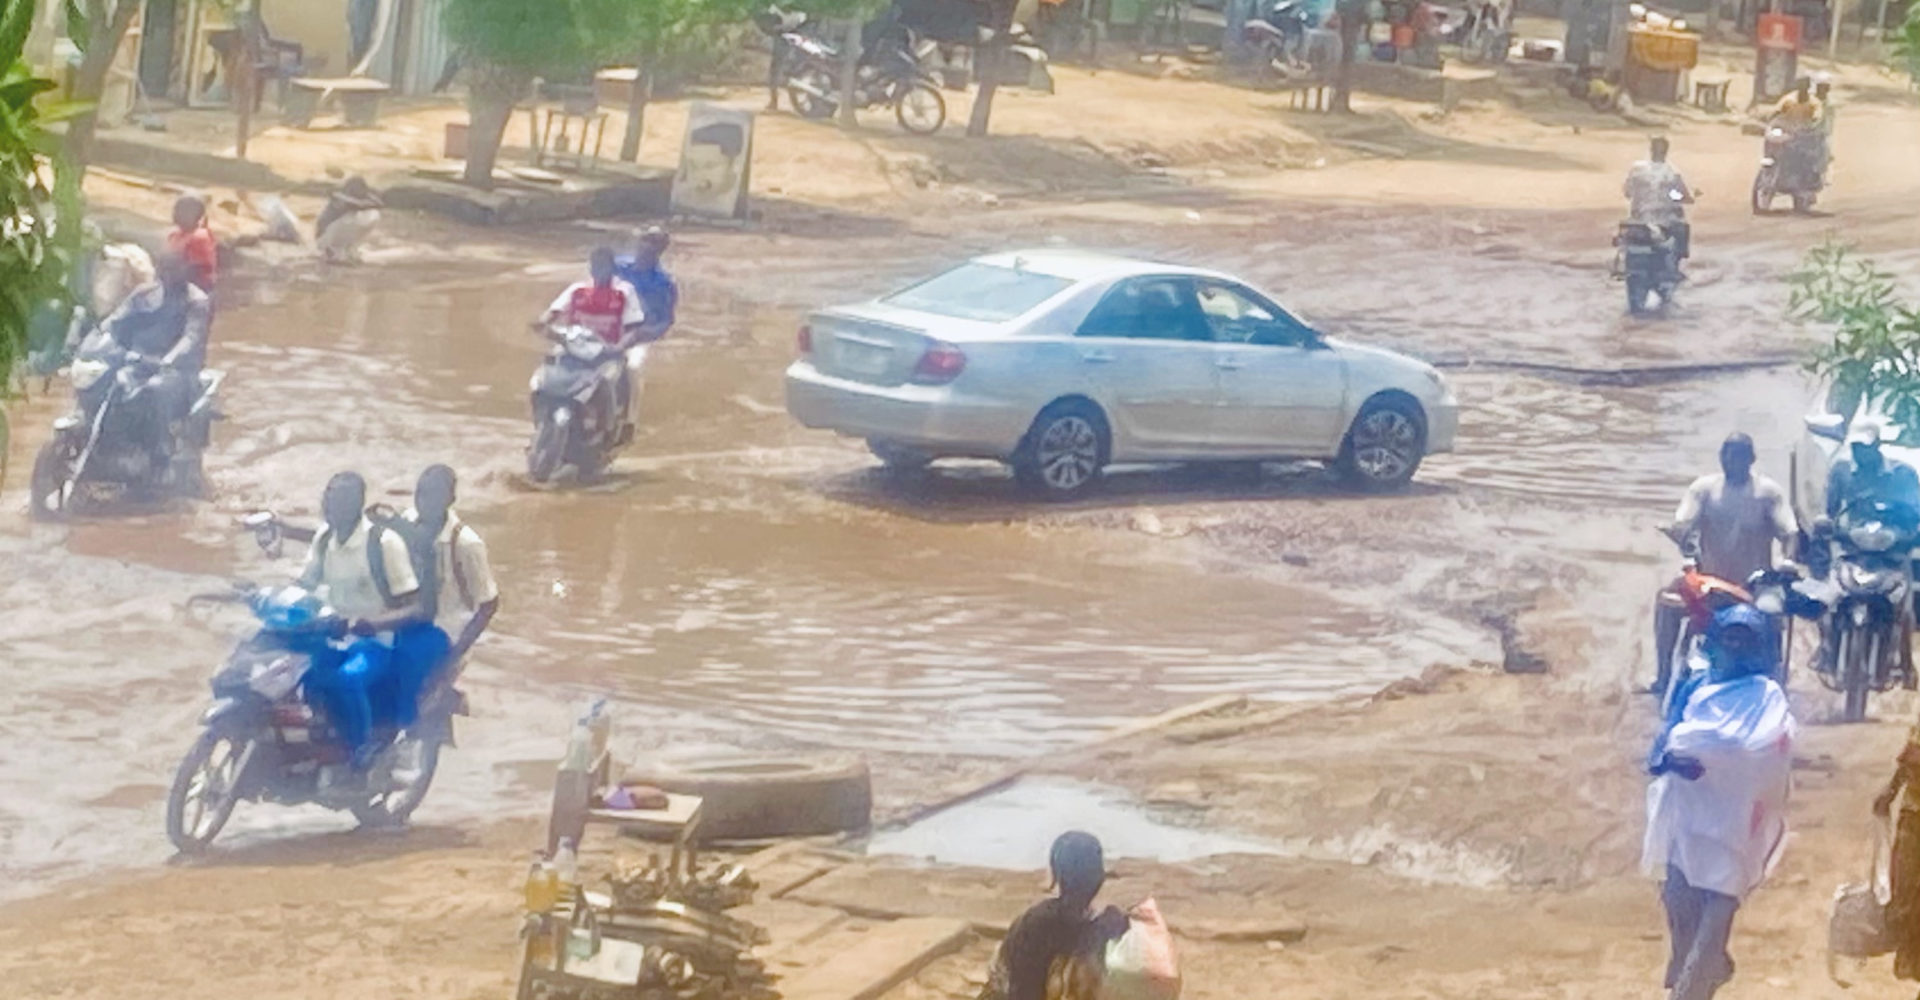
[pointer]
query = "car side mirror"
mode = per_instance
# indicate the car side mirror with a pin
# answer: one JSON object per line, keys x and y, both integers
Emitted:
{"x": 1831, "y": 426}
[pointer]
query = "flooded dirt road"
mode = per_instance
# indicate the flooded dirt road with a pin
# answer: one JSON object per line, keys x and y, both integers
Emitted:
{"x": 739, "y": 582}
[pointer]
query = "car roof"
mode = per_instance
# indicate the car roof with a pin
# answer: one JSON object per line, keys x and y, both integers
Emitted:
{"x": 1087, "y": 265}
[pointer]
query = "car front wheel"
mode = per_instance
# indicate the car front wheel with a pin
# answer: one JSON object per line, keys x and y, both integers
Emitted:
{"x": 1385, "y": 445}
{"x": 1064, "y": 451}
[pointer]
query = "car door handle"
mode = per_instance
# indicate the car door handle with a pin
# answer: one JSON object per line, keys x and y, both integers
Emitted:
{"x": 1095, "y": 357}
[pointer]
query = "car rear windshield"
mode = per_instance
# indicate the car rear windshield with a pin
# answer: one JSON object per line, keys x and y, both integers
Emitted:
{"x": 983, "y": 292}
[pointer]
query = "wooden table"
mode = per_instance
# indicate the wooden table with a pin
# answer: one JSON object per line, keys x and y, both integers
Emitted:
{"x": 359, "y": 99}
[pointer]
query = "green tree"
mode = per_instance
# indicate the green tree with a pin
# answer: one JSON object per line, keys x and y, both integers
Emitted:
{"x": 33, "y": 265}
{"x": 664, "y": 35}
{"x": 507, "y": 43}
{"x": 1906, "y": 43}
{"x": 98, "y": 27}
{"x": 1875, "y": 351}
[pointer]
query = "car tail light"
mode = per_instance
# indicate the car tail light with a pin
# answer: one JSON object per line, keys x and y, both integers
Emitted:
{"x": 941, "y": 363}
{"x": 804, "y": 339}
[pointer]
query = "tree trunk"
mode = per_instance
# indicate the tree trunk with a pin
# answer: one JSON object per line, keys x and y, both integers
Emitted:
{"x": 246, "y": 77}
{"x": 988, "y": 64}
{"x": 637, "y": 111}
{"x": 106, "y": 28}
{"x": 850, "y": 74}
{"x": 1352, "y": 17}
{"x": 491, "y": 95}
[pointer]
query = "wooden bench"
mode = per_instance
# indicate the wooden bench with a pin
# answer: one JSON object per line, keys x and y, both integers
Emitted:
{"x": 359, "y": 99}
{"x": 1710, "y": 95}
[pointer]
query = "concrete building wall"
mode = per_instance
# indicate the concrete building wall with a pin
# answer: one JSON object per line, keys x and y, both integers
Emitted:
{"x": 318, "y": 25}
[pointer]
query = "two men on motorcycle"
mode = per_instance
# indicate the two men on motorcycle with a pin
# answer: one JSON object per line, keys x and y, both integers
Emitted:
{"x": 1803, "y": 114}
{"x": 1733, "y": 520}
{"x": 403, "y": 586}
{"x": 1657, "y": 195}
{"x": 614, "y": 311}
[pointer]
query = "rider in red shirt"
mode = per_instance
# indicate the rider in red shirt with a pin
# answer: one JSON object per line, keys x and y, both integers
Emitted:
{"x": 191, "y": 239}
{"x": 610, "y": 308}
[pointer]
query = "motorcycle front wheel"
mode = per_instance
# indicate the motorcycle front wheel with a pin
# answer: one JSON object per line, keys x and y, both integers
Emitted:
{"x": 1764, "y": 184}
{"x": 1856, "y": 659}
{"x": 549, "y": 449}
{"x": 52, "y": 487}
{"x": 407, "y": 769}
{"x": 1639, "y": 292}
{"x": 920, "y": 109}
{"x": 205, "y": 789}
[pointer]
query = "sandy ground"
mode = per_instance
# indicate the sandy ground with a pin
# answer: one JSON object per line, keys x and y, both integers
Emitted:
{"x": 1470, "y": 834}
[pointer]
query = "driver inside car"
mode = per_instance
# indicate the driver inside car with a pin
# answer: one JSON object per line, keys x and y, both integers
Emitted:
{"x": 1867, "y": 476}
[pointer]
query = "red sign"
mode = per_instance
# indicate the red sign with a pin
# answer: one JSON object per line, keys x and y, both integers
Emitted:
{"x": 1779, "y": 31}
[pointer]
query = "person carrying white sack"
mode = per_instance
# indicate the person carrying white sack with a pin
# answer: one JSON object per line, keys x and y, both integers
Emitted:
{"x": 1717, "y": 808}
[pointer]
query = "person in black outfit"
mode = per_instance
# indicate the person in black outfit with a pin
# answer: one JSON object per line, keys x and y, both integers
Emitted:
{"x": 1060, "y": 929}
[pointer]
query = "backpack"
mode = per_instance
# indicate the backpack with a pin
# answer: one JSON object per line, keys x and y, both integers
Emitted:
{"x": 420, "y": 554}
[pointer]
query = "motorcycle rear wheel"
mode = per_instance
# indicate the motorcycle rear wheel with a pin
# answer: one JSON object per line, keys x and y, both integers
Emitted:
{"x": 803, "y": 91}
{"x": 194, "y": 819}
{"x": 1639, "y": 292}
{"x": 548, "y": 451}
{"x": 396, "y": 805}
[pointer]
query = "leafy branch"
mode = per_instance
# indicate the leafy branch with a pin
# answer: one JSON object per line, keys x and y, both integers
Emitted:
{"x": 1875, "y": 351}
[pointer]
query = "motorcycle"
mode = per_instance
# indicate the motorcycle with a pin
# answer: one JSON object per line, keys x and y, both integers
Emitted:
{"x": 893, "y": 75}
{"x": 577, "y": 421}
{"x": 1279, "y": 34}
{"x": 1869, "y": 618}
{"x": 260, "y": 740}
{"x": 1698, "y": 596}
{"x": 1648, "y": 261}
{"x": 1789, "y": 165}
{"x": 118, "y": 437}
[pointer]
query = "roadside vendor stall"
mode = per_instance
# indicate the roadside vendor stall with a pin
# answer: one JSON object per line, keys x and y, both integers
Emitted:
{"x": 1658, "y": 61}
{"x": 659, "y": 930}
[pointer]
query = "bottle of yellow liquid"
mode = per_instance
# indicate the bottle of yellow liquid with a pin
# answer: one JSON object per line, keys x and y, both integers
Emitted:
{"x": 543, "y": 885}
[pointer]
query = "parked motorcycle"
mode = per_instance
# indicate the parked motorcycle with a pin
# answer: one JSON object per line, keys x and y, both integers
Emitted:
{"x": 260, "y": 740}
{"x": 1279, "y": 35}
{"x": 1789, "y": 165}
{"x": 1869, "y": 619}
{"x": 120, "y": 439}
{"x": 893, "y": 75}
{"x": 577, "y": 421}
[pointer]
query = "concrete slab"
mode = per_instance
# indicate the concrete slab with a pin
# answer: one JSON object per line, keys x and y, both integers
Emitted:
{"x": 788, "y": 924}
{"x": 878, "y": 959}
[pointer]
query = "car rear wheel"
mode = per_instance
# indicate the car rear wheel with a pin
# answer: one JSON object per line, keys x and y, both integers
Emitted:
{"x": 1385, "y": 446}
{"x": 1064, "y": 452}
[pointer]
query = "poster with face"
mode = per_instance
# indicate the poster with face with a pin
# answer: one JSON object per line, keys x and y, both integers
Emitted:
{"x": 715, "y": 161}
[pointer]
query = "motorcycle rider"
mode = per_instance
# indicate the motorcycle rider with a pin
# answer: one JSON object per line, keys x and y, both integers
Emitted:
{"x": 1823, "y": 93}
{"x": 1733, "y": 519}
{"x": 366, "y": 574}
{"x": 611, "y": 308}
{"x": 1804, "y": 117}
{"x": 167, "y": 320}
{"x": 1650, "y": 188}
{"x": 191, "y": 238}
{"x": 1867, "y": 476}
{"x": 465, "y": 595}
{"x": 659, "y": 296}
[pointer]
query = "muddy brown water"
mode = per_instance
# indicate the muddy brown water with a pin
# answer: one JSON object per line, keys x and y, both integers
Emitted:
{"x": 738, "y": 582}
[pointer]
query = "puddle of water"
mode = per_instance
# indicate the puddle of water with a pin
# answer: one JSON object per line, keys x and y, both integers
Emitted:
{"x": 1013, "y": 828}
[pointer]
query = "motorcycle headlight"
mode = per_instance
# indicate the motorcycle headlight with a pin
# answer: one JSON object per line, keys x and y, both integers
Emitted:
{"x": 1873, "y": 536}
{"x": 274, "y": 678}
{"x": 83, "y": 373}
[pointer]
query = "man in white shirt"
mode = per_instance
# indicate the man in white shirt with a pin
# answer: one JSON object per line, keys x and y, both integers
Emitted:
{"x": 1734, "y": 518}
{"x": 366, "y": 575}
{"x": 465, "y": 593}
{"x": 1657, "y": 194}
{"x": 1717, "y": 808}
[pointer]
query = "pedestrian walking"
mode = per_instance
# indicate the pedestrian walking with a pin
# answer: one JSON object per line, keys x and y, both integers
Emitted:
{"x": 1717, "y": 808}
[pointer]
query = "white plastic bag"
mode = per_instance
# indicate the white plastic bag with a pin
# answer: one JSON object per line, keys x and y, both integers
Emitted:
{"x": 1141, "y": 963}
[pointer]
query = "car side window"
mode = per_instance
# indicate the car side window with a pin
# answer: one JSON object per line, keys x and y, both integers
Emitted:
{"x": 1236, "y": 315}
{"x": 1155, "y": 308}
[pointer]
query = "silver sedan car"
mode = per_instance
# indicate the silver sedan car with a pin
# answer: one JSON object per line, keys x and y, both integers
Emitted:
{"x": 1060, "y": 363}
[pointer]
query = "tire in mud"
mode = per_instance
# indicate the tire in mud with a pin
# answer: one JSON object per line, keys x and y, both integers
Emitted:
{"x": 548, "y": 451}
{"x": 753, "y": 798}
{"x": 920, "y": 109}
{"x": 48, "y": 497}
{"x": 395, "y": 807}
{"x": 1385, "y": 445}
{"x": 193, "y": 837}
{"x": 1763, "y": 191}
